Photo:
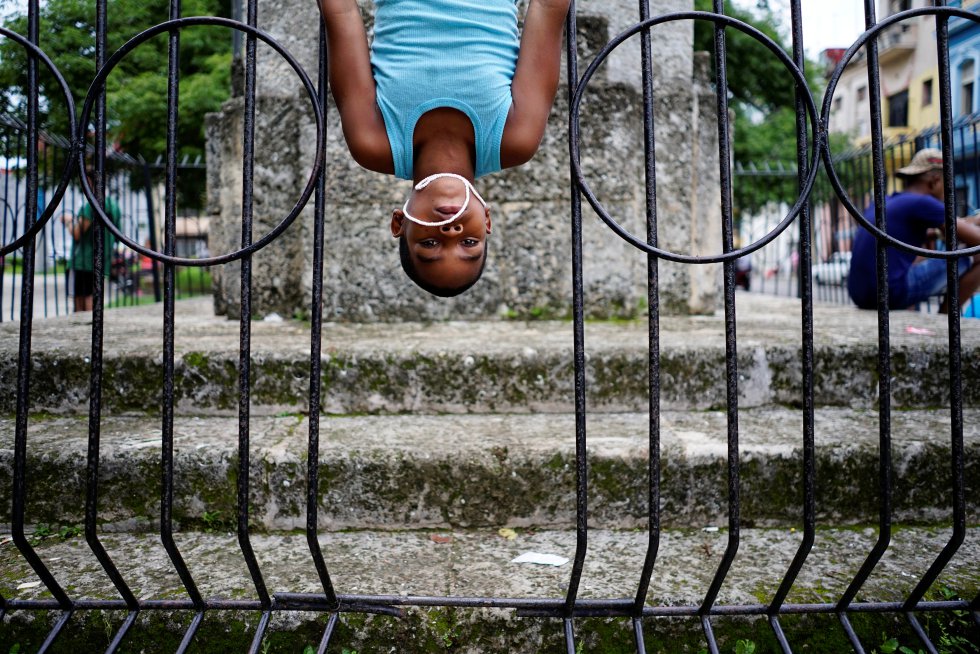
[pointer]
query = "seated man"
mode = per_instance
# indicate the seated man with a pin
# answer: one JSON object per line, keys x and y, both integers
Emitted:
{"x": 909, "y": 217}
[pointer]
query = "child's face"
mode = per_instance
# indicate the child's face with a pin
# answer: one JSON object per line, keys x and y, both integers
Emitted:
{"x": 450, "y": 255}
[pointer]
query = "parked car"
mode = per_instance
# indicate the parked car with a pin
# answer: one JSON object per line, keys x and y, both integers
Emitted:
{"x": 833, "y": 271}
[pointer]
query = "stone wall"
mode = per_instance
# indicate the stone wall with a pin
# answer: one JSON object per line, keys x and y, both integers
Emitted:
{"x": 528, "y": 272}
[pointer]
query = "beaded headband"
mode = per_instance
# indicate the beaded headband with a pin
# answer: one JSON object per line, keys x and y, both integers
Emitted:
{"x": 425, "y": 182}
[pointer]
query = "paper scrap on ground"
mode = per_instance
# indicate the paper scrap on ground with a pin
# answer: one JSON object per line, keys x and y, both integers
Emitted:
{"x": 29, "y": 584}
{"x": 919, "y": 330}
{"x": 541, "y": 559}
{"x": 508, "y": 533}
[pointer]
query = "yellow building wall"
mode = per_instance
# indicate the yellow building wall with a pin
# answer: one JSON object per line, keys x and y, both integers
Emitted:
{"x": 923, "y": 116}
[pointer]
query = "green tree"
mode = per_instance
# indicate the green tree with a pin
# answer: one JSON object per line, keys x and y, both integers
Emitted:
{"x": 136, "y": 91}
{"x": 756, "y": 78}
{"x": 761, "y": 97}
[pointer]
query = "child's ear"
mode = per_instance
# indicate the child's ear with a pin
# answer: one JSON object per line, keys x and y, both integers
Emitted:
{"x": 397, "y": 223}
{"x": 487, "y": 223}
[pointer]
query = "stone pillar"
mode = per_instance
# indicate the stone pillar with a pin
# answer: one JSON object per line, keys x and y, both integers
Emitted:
{"x": 528, "y": 273}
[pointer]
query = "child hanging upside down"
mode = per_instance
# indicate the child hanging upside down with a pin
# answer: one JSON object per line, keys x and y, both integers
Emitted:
{"x": 447, "y": 93}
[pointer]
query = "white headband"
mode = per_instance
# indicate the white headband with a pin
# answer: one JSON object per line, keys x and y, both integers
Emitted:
{"x": 425, "y": 182}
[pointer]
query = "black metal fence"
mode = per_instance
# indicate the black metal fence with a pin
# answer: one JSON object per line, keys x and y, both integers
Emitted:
{"x": 812, "y": 155}
{"x": 775, "y": 269}
{"x": 137, "y": 189}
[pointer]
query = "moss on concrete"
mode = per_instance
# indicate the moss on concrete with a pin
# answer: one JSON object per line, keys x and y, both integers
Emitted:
{"x": 415, "y": 485}
{"x": 436, "y": 630}
{"x": 471, "y": 379}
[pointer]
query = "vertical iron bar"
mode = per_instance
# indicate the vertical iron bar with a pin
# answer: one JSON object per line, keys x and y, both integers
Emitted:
{"x": 236, "y": 39}
{"x": 260, "y": 630}
{"x": 328, "y": 632}
{"x": 884, "y": 343}
{"x": 245, "y": 331}
{"x": 58, "y": 296}
{"x": 578, "y": 329}
{"x": 122, "y": 631}
{"x": 653, "y": 315}
{"x": 185, "y": 642}
{"x": 66, "y": 243}
{"x": 13, "y": 276}
{"x": 806, "y": 309}
{"x": 152, "y": 228}
{"x": 98, "y": 318}
{"x": 731, "y": 362}
{"x": 975, "y": 168}
{"x": 6, "y": 212}
{"x": 316, "y": 343}
{"x": 709, "y": 634}
{"x": 55, "y": 631}
{"x": 955, "y": 350}
{"x": 120, "y": 289}
{"x": 169, "y": 246}
{"x": 139, "y": 235}
{"x": 921, "y": 633}
{"x": 42, "y": 236}
{"x": 569, "y": 636}
{"x": 638, "y": 636}
{"x": 836, "y": 244}
{"x": 24, "y": 351}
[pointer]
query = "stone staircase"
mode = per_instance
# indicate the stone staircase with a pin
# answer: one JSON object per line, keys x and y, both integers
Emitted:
{"x": 448, "y": 449}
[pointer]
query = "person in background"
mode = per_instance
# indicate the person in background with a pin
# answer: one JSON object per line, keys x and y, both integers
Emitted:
{"x": 910, "y": 216}
{"x": 81, "y": 266}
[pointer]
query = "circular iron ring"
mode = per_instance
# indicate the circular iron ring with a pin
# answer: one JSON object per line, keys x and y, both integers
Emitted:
{"x": 787, "y": 62}
{"x": 66, "y": 173}
{"x": 176, "y": 24}
{"x": 825, "y": 116}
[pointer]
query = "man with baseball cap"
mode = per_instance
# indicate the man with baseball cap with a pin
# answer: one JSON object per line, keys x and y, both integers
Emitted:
{"x": 909, "y": 215}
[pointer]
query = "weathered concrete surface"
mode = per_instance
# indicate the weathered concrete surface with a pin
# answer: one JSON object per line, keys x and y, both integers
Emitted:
{"x": 479, "y": 564}
{"x": 485, "y": 470}
{"x": 491, "y": 366}
{"x": 295, "y": 25}
{"x": 528, "y": 271}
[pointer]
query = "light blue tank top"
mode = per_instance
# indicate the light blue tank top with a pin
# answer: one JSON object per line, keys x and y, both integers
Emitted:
{"x": 429, "y": 54}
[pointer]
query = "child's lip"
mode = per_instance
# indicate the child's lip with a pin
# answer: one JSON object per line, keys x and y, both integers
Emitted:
{"x": 448, "y": 210}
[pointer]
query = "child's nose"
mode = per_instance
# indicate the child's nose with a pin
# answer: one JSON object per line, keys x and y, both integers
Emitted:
{"x": 454, "y": 227}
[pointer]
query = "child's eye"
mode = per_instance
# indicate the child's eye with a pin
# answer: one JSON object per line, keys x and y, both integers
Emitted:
{"x": 470, "y": 242}
{"x": 428, "y": 243}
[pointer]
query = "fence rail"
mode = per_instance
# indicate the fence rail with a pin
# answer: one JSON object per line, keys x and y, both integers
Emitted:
{"x": 812, "y": 155}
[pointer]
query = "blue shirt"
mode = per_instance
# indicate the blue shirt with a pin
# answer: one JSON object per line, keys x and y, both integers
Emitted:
{"x": 429, "y": 54}
{"x": 908, "y": 216}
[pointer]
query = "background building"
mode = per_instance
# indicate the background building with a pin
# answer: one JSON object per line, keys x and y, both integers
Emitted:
{"x": 907, "y": 62}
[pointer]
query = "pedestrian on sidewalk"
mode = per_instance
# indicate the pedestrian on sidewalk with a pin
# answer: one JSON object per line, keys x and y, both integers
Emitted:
{"x": 81, "y": 265}
{"x": 910, "y": 216}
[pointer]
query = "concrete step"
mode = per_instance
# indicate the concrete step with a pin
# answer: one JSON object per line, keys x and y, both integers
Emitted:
{"x": 419, "y": 471}
{"x": 408, "y": 565}
{"x": 494, "y": 366}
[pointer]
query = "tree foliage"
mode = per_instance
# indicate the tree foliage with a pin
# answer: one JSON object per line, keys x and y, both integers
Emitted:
{"x": 756, "y": 78}
{"x": 136, "y": 90}
{"x": 761, "y": 97}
